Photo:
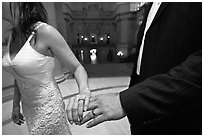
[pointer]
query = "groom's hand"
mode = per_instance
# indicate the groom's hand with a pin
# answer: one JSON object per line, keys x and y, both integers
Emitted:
{"x": 104, "y": 108}
{"x": 77, "y": 105}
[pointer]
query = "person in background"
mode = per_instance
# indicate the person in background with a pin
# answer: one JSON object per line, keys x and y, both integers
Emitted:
{"x": 32, "y": 47}
{"x": 165, "y": 92}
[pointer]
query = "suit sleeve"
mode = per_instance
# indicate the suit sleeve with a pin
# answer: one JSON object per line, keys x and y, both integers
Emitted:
{"x": 166, "y": 94}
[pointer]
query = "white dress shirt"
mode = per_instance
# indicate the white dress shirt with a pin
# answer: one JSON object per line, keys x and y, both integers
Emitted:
{"x": 151, "y": 15}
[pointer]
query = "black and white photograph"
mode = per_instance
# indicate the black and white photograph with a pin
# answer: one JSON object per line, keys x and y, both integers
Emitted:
{"x": 101, "y": 68}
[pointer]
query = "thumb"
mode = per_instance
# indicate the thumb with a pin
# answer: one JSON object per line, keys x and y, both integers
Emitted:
{"x": 86, "y": 104}
{"x": 99, "y": 119}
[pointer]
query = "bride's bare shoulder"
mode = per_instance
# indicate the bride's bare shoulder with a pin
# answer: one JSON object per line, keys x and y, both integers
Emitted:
{"x": 47, "y": 30}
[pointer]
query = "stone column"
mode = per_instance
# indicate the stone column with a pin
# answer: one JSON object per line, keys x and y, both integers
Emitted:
{"x": 52, "y": 20}
{"x": 122, "y": 44}
{"x": 60, "y": 19}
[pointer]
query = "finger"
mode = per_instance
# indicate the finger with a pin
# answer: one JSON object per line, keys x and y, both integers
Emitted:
{"x": 99, "y": 119}
{"x": 93, "y": 98}
{"x": 22, "y": 117}
{"x": 90, "y": 115}
{"x": 69, "y": 110}
{"x": 20, "y": 122}
{"x": 75, "y": 110}
{"x": 80, "y": 109}
{"x": 92, "y": 105}
{"x": 16, "y": 119}
{"x": 96, "y": 112}
{"x": 86, "y": 118}
{"x": 86, "y": 104}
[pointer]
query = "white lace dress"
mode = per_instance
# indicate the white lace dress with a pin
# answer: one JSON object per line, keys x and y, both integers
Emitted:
{"x": 43, "y": 107}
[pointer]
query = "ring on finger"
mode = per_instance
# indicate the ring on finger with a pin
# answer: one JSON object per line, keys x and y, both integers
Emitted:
{"x": 83, "y": 99}
{"x": 16, "y": 122}
{"x": 94, "y": 114}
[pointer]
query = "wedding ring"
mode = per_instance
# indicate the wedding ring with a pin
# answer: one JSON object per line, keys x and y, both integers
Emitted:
{"x": 81, "y": 99}
{"x": 17, "y": 122}
{"x": 93, "y": 113}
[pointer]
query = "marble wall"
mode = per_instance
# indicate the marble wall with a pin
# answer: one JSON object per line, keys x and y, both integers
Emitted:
{"x": 117, "y": 19}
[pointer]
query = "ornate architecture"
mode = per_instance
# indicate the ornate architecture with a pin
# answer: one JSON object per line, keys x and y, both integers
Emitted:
{"x": 108, "y": 27}
{"x": 97, "y": 32}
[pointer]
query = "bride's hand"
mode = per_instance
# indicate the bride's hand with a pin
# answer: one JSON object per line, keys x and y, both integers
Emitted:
{"x": 17, "y": 117}
{"x": 76, "y": 105}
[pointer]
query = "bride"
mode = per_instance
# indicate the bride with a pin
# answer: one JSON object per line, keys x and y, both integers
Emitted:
{"x": 29, "y": 57}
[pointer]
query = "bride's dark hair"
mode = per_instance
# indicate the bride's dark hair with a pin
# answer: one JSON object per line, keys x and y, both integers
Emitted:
{"x": 29, "y": 14}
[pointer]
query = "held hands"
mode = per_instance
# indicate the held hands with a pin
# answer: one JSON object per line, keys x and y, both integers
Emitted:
{"x": 77, "y": 105}
{"x": 104, "y": 108}
{"x": 17, "y": 117}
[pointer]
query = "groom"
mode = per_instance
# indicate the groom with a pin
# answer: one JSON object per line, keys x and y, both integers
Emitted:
{"x": 164, "y": 96}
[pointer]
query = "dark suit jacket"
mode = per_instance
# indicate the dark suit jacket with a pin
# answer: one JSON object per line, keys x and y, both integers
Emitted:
{"x": 166, "y": 98}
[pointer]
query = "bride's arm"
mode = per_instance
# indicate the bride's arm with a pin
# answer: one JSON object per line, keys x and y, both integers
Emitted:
{"x": 17, "y": 117}
{"x": 17, "y": 96}
{"x": 49, "y": 37}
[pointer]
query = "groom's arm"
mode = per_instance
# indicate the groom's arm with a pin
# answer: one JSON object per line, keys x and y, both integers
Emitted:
{"x": 165, "y": 94}
{"x": 158, "y": 96}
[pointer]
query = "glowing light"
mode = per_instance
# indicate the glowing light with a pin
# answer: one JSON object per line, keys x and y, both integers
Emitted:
{"x": 82, "y": 36}
{"x": 93, "y": 56}
{"x": 93, "y": 51}
{"x": 120, "y": 53}
{"x": 92, "y": 36}
{"x": 101, "y": 38}
{"x": 137, "y": 9}
{"x": 141, "y": 4}
{"x": 85, "y": 38}
{"x": 82, "y": 55}
{"x": 108, "y": 37}
{"x": 140, "y": 22}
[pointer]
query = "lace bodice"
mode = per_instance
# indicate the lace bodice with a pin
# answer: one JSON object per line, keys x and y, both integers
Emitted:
{"x": 41, "y": 98}
{"x": 28, "y": 63}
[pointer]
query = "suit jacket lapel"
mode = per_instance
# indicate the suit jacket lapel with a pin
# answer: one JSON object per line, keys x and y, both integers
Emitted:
{"x": 141, "y": 32}
{"x": 142, "y": 27}
{"x": 160, "y": 10}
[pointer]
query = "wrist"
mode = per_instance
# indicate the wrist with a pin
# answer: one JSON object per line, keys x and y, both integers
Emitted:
{"x": 16, "y": 108}
{"x": 16, "y": 104}
{"x": 123, "y": 113}
{"x": 84, "y": 89}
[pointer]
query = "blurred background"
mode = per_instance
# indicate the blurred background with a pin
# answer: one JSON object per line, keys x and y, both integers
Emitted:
{"x": 103, "y": 36}
{"x": 97, "y": 32}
